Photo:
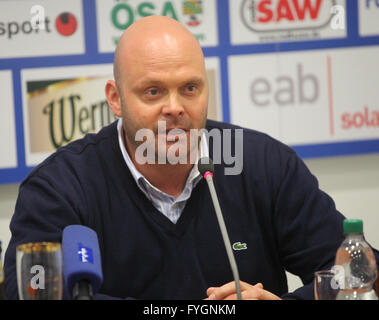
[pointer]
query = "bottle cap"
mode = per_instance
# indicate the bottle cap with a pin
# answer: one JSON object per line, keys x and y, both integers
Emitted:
{"x": 352, "y": 226}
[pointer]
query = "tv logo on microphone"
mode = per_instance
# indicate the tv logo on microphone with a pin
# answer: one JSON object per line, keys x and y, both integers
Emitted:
{"x": 85, "y": 254}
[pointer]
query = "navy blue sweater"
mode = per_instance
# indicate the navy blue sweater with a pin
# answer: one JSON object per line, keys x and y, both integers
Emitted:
{"x": 274, "y": 206}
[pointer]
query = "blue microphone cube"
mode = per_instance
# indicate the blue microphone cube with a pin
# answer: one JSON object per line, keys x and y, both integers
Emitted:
{"x": 81, "y": 257}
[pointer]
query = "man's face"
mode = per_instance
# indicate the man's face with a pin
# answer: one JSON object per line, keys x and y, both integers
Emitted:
{"x": 163, "y": 85}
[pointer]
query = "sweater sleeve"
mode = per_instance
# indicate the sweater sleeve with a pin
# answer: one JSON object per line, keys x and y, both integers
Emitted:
{"x": 43, "y": 209}
{"x": 308, "y": 225}
{"x": 48, "y": 201}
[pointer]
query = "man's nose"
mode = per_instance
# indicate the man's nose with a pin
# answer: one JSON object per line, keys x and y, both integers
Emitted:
{"x": 172, "y": 107}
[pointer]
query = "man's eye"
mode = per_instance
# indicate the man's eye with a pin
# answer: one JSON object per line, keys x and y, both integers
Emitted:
{"x": 190, "y": 89}
{"x": 153, "y": 92}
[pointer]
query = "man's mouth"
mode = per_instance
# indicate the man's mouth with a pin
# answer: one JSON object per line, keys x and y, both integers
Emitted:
{"x": 175, "y": 133}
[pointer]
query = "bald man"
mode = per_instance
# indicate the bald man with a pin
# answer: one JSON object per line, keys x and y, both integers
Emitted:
{"x": 159, "y": 76}
{"x": 157, "y": 229}
{"x": 162, "y": 76}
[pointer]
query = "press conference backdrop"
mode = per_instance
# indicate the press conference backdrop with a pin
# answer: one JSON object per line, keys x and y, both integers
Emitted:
{"x": 304, "y": 71}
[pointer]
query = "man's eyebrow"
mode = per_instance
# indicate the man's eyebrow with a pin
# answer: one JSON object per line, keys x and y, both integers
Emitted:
{"x": 154, "y": 82}
{"x": 194, "y": 80}
{"x": 149, "y": 82}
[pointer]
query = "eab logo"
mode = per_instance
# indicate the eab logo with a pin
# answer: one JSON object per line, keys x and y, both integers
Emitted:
{"x": 286, "y": 15}
{"x": 85, "y": 254}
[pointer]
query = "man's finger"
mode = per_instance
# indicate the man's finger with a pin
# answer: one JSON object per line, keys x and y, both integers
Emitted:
{"x": 227, "y": 289}
{"x": 210, "y": 290}
{"x": 243, "y": 295}
{"x": 254, "y": 293}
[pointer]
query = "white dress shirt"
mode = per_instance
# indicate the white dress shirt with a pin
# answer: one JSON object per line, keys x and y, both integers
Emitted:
{"x": 172, "y": 208}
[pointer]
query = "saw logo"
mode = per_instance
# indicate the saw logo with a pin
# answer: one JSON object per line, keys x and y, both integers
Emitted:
{"x": 287, "y": 15}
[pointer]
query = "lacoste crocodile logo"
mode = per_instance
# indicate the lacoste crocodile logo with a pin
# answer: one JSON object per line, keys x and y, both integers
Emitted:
{"x": 239, "y": 246}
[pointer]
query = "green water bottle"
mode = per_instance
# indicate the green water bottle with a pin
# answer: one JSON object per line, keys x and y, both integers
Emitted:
{"x": 356, "y": 265}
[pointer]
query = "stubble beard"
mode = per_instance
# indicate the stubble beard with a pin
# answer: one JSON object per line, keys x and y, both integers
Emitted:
{"x": 162, "y": 155}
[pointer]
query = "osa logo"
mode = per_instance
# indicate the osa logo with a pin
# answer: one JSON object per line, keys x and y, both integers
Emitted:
{"x": 192, "y": 11}
{"x": 124, "y": 14}
{"x": 286, "y": 15}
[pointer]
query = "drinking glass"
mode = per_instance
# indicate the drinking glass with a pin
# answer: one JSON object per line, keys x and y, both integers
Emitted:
{"x": 39, "y": 271}
{"x": 326, "y": 285}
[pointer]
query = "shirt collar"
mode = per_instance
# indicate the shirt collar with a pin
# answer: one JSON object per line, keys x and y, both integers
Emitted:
{"x": 204, "y": 152}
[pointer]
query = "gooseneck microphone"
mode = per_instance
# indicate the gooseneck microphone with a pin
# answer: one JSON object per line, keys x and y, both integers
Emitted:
{"x": 81, "y": 262}
{"x": 206, "y": 168}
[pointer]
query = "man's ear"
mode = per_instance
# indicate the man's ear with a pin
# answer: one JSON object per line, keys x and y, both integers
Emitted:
{"x": 113, "y": 97}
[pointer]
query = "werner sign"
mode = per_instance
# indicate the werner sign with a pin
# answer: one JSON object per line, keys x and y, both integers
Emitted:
{"x": 62, "y": 104}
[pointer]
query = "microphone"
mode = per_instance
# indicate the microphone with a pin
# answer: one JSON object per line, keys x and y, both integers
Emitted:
{"x": 81, "y": 262}
{"x": 206, "y": 168}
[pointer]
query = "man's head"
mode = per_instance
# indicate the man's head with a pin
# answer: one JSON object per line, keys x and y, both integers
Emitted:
{"x": 159, "y": 75}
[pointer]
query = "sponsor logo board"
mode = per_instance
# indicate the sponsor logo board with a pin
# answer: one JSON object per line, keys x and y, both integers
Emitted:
{"x": 62, "y": 104}
{"x": 261, "y": 21}
{"x": 355, "y": 73}
{"x": 48, "y": 28}
{"x": 307, "y": 97}
{"x": 113, "y": 17}
{"x": 8, "y": 147}
{"x": 369, "y": 17}
{"x": 213, "y": 75}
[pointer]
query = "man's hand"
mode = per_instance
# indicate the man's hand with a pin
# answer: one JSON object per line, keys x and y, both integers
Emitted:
{"x": 248, "y": 292}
